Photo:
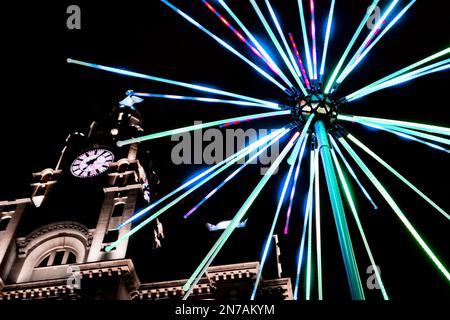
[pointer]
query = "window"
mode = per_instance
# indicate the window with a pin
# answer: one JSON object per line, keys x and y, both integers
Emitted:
{"x": 71, "y": 259}
{"x": 40, "y": 191}
{"x": 118, "y": 209}
{"x": 120, "y": 181}
{"x": 44, "y": 262}
{"x": 105, "y": 246}
{"x": 58, "y": 258}
{"x": 121, "y": 194}
{"x": 111, "y": 236}
{"x": 233, "y": 294}
{"x": 123, "y": 167}
{"x": 4, "y": 223}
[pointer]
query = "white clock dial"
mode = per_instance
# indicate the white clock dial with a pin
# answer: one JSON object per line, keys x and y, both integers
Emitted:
{"x": 92, "y": 163}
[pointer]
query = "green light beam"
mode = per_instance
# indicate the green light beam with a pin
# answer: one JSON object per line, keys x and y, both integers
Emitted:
{"x": 313, "y": 166}
{"x": 396, "y": 210}
{"x": 377, "y": 28}
{"x": 302, "y": 245}
{"x": 436, "y": 67}
{"x": 235, "y": 158}
{"x": 390, "y": 128}
{"x": 201, "y": 126}
{"x": 297, "y": 154}
{"x": 185, "y": 185}
{"x": 277, "y": 214}
{"x": 306, "y": 222}
{"x": 359, "y": 57}
{"x": 352, "y": 173}
{"x": 350, "y": 46}
{"x": 411, "y": 125}
{"x": 399, "y": 132}
{"x": 398, "y": 175}
{"x": 190, "y": 284}
{"x": 306, "y": 127}
{"x": 345, "y": 241}
{"x": 415, "y": 133}
{"x": 358, "y": 223}
{"x": 318, "y": 227}
{"x": 294, "y": 154}
{"x": 404, "y": 70}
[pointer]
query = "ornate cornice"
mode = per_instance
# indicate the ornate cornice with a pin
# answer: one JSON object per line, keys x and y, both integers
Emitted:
{"x": 59, "y": 288}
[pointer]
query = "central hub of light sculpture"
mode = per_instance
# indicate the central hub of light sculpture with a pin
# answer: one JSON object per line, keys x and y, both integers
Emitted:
{"x": 320, "y": 105}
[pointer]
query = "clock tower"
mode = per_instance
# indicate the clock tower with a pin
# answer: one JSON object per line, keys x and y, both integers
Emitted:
{"x": 74, "y": 208}
{"x": 53, "y": 243}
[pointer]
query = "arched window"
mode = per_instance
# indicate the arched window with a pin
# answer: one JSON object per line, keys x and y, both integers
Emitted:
{"x": 41, "y": 250}
{"x": 4, "y": 223}
{"x": 118, "y": 209}
{"x": 57, "y": 258}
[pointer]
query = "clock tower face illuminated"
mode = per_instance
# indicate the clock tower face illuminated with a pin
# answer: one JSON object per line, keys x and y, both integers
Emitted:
{"x": 92, "y": 163}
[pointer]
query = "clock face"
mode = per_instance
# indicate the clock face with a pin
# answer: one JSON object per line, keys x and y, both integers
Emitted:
{"x": 92, "y": 163}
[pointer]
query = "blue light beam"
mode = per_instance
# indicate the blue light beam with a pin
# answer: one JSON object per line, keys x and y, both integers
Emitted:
{"x": 298, "y": 154}
{"x": 307, "y": 218}
{"x": 201, "y": 99}
{"x": 255, "y": 42}
{"x": 231, "y": 159}
{"x": 168, "y": 81}
{"x": 327, "y": 38}
{"x": 358, "y": 58}
{"x": 193, "y": 280}
{"x": 226, "y": 46}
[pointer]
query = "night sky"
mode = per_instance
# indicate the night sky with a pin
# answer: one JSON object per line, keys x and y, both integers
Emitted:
{"x": 45, "y": 99}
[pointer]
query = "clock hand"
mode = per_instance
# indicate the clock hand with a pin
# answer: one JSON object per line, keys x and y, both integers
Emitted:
{"x": 93, "y": 160}
{"x": 103, "y": 152}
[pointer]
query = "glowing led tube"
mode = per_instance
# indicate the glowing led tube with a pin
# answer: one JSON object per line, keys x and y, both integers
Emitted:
{"x": 167, "y": 81}
{"x": 200, "y": 126}
{"x": 256, "y": 43}
{"x": 201, "y": 99}
{"x": 398, "y": 175}
{"x": 254, "y": 146}
{"x": 397, "y": 210}
{"x": 297, "y": 153}
{"x": 350, "y": 46}
{"x": 225, "y": 45}
{"x": 189, "y": 191}
{"x": 190, "y": 284}
{"x": 358, "y": 223}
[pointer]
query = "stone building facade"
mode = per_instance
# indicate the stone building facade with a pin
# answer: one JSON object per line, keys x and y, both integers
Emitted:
{"x": 54, "y": 248}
